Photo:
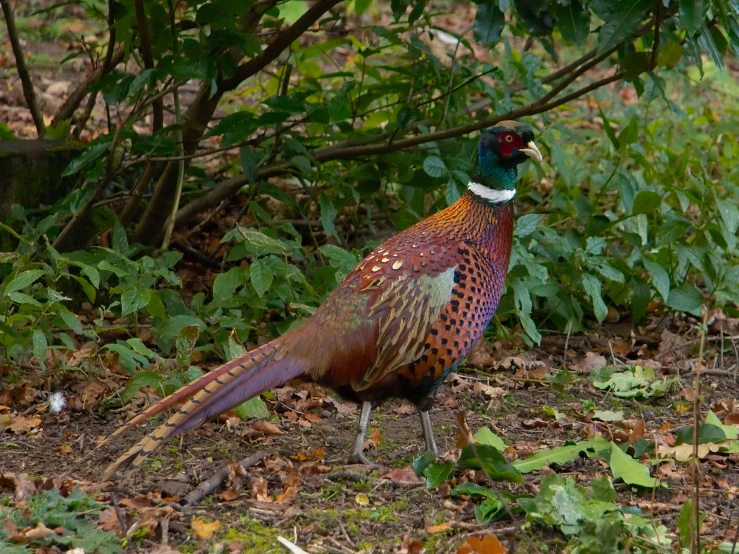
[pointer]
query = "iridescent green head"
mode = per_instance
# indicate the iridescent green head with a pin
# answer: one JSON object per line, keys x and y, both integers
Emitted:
{"x": 500, "y": 150}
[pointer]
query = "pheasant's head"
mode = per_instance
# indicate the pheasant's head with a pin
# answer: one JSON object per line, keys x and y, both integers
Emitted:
{"x": 500, "y": 150}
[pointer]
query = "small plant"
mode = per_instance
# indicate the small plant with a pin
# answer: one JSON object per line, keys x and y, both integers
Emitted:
{"x": 48, "y": 518}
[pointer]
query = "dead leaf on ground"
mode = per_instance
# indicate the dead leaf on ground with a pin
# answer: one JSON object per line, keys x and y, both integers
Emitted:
{"x": 19, "y": 483}
{"x": 464, "y": 434}
{"x": 287, "y": 496}
{"x": 404, "y": 475}
{"x": 30, "y": 534}
{"x": 591, "y": 361}
{"x": 441, "y": 528}
{"x": 480, "y": 355}
{"x": 205, "y": 530}
{"x": 21, "y": 424}
{"x": 411, "y": 546}
{"x": 266, "y": 427}
{"x": 489, "y": 544}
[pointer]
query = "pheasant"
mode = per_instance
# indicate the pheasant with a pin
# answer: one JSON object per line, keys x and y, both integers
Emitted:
{"x": 396, "y": 326}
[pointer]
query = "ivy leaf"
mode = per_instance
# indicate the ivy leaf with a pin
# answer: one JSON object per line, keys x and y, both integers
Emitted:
{"x": 489, "y": 24}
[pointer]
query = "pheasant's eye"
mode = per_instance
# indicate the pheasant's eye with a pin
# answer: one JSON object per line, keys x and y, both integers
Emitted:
{"x": 509, "y": 138}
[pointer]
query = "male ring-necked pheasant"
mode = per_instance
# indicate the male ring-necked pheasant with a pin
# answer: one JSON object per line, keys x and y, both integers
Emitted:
{"x": 397, "y": 325}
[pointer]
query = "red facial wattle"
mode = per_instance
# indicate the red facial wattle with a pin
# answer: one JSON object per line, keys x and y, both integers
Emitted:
{"x": 508, "y": 142}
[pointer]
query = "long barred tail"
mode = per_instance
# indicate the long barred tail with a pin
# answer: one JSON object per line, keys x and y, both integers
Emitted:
{"x": 212, "y": 394}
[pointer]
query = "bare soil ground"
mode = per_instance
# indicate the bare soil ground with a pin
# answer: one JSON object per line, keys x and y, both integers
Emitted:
{"x": 303, "y": 490}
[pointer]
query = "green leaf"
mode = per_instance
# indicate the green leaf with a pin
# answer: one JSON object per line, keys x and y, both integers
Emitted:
{"x": 23, "y": 298}
{"x": 40, "y": 347}
{"x": 486, "y": 436}
{"x": 686, "y": 298}
{"x": 133, "y": 300}
{"x": 420, "y": 464}
{"x": 24, "y": 279}
{"x": 249, "y": 163}
{"x": 621, "y": 20}
{"x": 140, "y": 380}
{"x": 69, "y": 319}
{"x": 225, "y": 285}
{"x": 608, "y": 128}
{"x": 95, "y": 150}
{"x": 629, "y": 470}
{"x": 692, "y": 15}
{"x": 328, "y": 214}
{"x": 660, "y": 277}
{"x": 493, "y": 462}
{"x": 261, "y": 276}
{"x": 489, "y": 24}
{"x": 628, "y": 134}
{"x": 473, "y": 489}
{"x": 573, "y": 21}
{"x": 436, "y": 474}
{"x": 434, "y": 167}
{"x": 559, "y": 455}
{"x": 646, "y": 202}
{"x": 592, "y": 286}
{"x": 254, "y": 408}
{"x": 527, "y": 224}
{"x": 171, "y": 327}
{"x": 707, "y": 433}
{"x": 670, "y": 54}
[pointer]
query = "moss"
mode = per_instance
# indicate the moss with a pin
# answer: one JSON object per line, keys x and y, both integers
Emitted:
{"x": 253, "y": 536}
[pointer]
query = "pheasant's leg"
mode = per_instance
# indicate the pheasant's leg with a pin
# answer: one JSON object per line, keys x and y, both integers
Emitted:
{"x": 357, "y": 456}
{"x": 428, "y": 432}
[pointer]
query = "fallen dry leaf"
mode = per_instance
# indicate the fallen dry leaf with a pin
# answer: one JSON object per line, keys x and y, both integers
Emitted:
{"x": 591, "y": 361}
{"x": 205, "y": 530}
{"x": 405, "y": 475}
{"x": 489, "y": 544}
{"x": 22, "y": 424}
{"x": 438, "y": 528}
{"x": 266, "y": 427}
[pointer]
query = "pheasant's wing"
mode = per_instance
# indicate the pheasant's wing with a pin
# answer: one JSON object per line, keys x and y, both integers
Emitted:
{"x": 410, "y": 289}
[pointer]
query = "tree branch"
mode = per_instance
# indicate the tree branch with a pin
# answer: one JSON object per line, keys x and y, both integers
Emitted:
{"x": 279, "y": 44}
{"x": 148, "y": 59}
{"x": 20, "y": 63}
{"x": 229, "y": 187}
{"x": 197, "y": 116}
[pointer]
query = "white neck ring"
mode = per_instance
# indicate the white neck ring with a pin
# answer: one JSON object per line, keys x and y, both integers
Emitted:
{"x": 496, "y": 196}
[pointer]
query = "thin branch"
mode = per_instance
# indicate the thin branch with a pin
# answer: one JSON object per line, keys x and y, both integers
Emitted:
{"x": 29, "y": 92}
{"x": 281, "y": 42}
{"x": 230, "y": 186}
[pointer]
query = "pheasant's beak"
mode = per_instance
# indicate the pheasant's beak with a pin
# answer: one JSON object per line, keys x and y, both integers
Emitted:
{"x": 532, "y": 151}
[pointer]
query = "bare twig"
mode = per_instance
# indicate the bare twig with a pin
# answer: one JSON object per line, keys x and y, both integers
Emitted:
{"x": 227, "y": 188}
{"x": 208, "y": 486}
{"x": 29, "y": 92}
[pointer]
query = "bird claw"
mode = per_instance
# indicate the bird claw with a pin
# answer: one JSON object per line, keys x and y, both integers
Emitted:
{"x": 360, "y": 458}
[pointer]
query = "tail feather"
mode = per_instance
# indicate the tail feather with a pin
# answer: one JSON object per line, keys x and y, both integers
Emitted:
{"x": 212, "y": 394}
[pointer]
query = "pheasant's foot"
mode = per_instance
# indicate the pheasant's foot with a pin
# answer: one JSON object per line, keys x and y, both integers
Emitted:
{"x": 360, "y": 458}
{"x": 357, "y": 455}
